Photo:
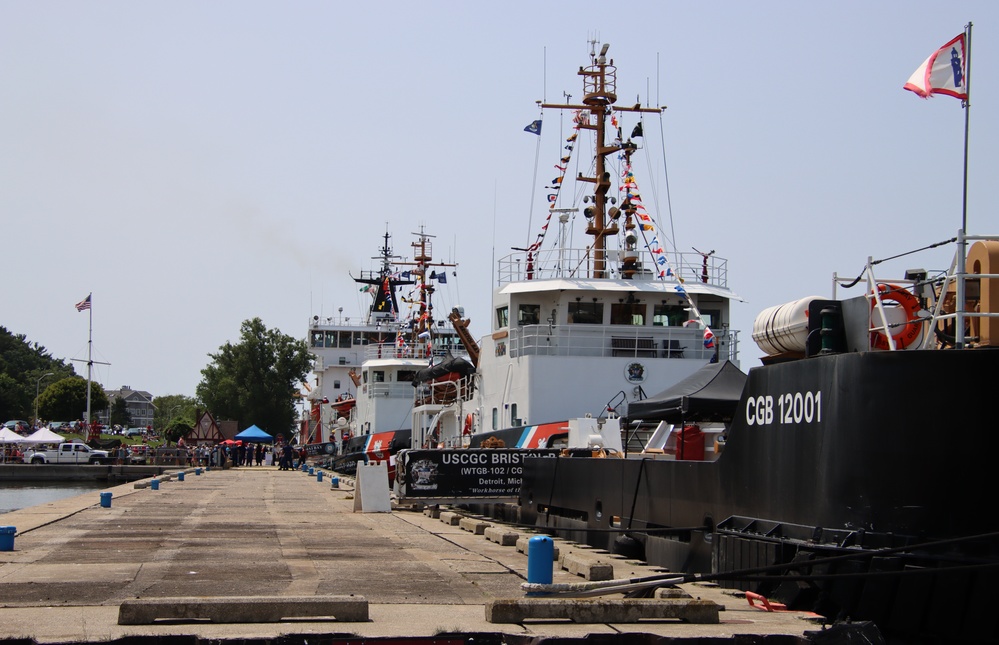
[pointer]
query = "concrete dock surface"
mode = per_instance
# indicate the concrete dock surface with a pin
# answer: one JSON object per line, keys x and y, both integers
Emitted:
{"x": 261, "y": 532}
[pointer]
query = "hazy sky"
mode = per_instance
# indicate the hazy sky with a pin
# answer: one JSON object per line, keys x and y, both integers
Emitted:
{"x": 196, "y": 164}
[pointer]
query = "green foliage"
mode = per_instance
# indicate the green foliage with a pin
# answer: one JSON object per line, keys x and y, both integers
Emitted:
{"x": 174, "y": 408}
{"x": 176, "y": 431}
{"x": 254, "y": 381}
{"x": 119, "y": 413}
{"x": 22, "y": 364}
{"x": 66, "y": 399}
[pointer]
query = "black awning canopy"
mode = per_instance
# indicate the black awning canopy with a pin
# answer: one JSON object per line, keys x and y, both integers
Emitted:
{"x": 709, "y": 394}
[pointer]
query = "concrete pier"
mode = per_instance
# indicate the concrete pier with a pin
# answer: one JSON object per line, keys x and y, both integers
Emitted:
{"x": 230, "y": 536}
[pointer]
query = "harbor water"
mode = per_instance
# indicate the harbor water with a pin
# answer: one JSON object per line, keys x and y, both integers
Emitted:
{"x": 18, "y": 495}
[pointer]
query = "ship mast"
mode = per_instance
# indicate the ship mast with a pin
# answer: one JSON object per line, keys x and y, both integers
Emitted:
{"x": 599, "y": 97}
{"x": 423, "y": 260}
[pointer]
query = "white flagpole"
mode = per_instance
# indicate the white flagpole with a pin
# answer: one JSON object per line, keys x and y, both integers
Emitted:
{"x": 961, "y": 241}
{"x": 90, "y": 358}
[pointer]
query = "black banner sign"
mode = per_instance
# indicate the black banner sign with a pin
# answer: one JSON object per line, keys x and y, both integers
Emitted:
{"x": 473, "y": 473}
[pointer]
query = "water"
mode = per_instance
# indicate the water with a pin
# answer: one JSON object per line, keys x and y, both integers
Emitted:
{"x": 17, "y": 495}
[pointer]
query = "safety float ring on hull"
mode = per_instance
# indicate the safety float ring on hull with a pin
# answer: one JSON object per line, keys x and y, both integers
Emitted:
{"x": 911, "y": 329}
{"x": 467, "y": 430}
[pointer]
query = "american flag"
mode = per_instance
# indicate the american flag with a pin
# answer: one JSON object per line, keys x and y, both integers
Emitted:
{"x": 84, "y": 304}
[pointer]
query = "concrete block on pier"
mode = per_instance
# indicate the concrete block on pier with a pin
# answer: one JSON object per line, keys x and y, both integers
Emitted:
{"x": 243, "y": 609}
{"x": 585, "y": 610}
{"x": 501, "y": 536}
{"x": 524, "y": 543}
{"x": 589, "y": 567}
{"x": 450, "y": 518}
{"x": 473, "y": 525}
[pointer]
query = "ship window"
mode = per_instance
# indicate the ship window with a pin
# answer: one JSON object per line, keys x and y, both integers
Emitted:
{"x": 589, "y": 313}
{"x": 502, "y": 317}
{"x": 336, "y": 384}
{"x": 625, "y": 313}
{"x": 529, "y": 314}
{"x": 377, "y": 376}
{"x": 513, "y": 415}
{"x": 711, "y": 317}
{"x": 405, "y": 376}
{"x": 364, "y": 374}
{"x": 668, "y": 315}
{"x": 344, "y": 339}
{"x": 331, "y": 339}
{"x": 495, "y": 419}
{"x": 317, "y": 339}
{"x": 358, "y": 338}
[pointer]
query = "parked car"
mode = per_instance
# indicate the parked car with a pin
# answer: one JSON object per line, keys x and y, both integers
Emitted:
{"x": 134, "y": 432}
{"x": 21, "y": 427}
{"x": 59, "y": 426}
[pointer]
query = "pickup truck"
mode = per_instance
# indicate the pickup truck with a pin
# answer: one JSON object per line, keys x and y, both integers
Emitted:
{"x": 68, "y": 453}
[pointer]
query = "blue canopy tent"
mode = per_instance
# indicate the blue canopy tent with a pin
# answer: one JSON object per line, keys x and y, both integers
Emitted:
{"x": 254, "y": 434}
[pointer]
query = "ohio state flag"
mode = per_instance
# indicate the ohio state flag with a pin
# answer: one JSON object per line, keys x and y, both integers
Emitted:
{"x": 944, "y": 72}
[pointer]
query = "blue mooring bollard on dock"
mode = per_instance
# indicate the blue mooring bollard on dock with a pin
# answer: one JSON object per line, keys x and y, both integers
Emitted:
{"x": 105, "y": 500}
{"x": 180, "y": 476}
{"x": 197, "y": 471}
{"x": 7, "y": 538}
{"x": 312, "y": 471}
{"x": 154, "y": 484}
{"x": 334, "y": 482}
{"x": 540, "y": 555}
{"x": 319, "y": 476}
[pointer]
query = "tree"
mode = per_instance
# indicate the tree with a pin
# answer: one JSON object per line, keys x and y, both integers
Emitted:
{"x": 119, "y": 413}
{"x": 67, "y": 399}
{"x": 255, "y": 380}
{"x": 22, "y": 363}
{"x": 175, "y": 431}
{"x": 173, "y": 408}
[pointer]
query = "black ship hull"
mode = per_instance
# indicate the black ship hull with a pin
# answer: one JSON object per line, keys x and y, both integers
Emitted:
{"x": 885, "y": 457}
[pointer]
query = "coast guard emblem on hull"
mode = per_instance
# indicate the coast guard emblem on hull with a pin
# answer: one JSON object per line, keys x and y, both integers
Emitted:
{"x": 634, "y": 372}
{"x": 423, "y": 474}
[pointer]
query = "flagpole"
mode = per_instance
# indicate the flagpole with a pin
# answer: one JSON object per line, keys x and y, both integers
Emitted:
{"x": 90, "y": 357}
{"x": 962, "y": 243}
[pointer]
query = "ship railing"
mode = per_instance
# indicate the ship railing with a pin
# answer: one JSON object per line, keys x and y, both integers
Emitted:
{"x": 390, "y": 390}
{"x": 409, "y": 350}
{"x": 578, "y": 264}
{"x": 623, "y": 341}
{"x": 949, "y": 291}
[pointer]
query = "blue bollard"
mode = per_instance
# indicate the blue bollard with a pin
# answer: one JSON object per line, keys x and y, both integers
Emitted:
{"x": 7, "y": 538}
{"x": 312, "y": 471}
{"x": 319, "y": 476}
{"x": 180, "y": 476}
{"x": 155, "y": 484}
{"x": 197, "y": 471}
{"x": 334, "y": 482}
{"x": 105, "y": 500}
{"x": 540, "y": 554}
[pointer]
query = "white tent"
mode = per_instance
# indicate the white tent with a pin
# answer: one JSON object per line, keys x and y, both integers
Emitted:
{"x": 8, "y": 436}
{"x": 43, "y": 435}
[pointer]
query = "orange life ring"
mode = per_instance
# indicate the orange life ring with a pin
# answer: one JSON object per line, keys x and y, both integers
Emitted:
{"x": 468, "y": 425}
{"x": 908, "y": 332}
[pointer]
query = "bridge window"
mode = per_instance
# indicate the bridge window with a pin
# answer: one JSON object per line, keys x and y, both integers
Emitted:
{"x": 529, "y": 314}
{"x": 502, "y": 317}
{"x": 668, "y": 316}
{"x": 625, "y": 313}
{"x": 589, "y": 313}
